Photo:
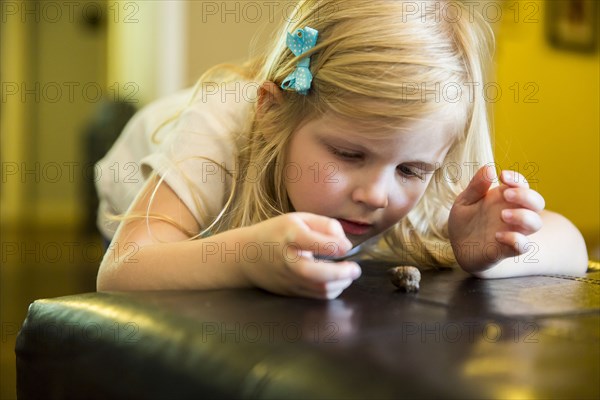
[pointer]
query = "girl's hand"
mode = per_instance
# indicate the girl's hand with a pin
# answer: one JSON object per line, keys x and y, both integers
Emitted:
{"x": 487, "y": 226}
{"x": 287, "y": 265}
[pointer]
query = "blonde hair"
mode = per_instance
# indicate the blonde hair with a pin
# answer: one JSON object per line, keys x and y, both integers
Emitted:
{"x": 374, "y": 62}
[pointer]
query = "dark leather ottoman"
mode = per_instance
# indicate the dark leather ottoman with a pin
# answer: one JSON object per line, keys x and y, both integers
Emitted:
{"x": 459, "y": 337}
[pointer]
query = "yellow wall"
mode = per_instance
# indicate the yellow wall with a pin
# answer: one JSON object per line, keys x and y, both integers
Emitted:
{"x": 13, "y": 69}
{"x": 559, "y": 135}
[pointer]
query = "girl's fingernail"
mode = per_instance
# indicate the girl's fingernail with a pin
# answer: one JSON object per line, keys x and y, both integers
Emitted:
{"x": 499, "y": 235}
{"x": 510, "y": 195}
{"x": 356, "y": 272}
{"x": 507, "y": 214}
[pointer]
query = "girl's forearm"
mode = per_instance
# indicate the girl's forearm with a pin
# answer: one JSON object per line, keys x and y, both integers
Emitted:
{"x": 209, "y": 263}
{"x": 558, "y": 248}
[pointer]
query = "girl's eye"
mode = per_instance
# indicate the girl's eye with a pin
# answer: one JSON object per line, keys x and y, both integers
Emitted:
{"x": 407, "y": 171}
{"x": 345, "y": 154}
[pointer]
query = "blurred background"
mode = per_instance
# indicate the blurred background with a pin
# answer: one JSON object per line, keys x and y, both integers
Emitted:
{"x": 73, "y": 72}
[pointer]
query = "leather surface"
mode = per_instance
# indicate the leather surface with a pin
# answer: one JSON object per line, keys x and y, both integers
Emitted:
{"x": 458, "y": 337}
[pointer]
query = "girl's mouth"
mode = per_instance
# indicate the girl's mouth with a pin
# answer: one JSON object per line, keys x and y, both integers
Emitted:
{"x": 355, "y": 228}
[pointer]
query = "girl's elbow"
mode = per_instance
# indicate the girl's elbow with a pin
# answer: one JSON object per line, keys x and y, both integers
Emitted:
{"x": 487, "y": 274}
{"x": 103, "y": 281}
{"x": 580, "y": 263}
{"x": 101, "y": 285}
{"x": 573, "y": 243}
{"x": 107, "y": 278}
{"x": 578, "y": 253}
{"x": 110, "y": 272}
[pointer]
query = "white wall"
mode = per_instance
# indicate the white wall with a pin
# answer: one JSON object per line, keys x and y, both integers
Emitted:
{"x": 162, "y": 46}
{"x": 146, "y": 47}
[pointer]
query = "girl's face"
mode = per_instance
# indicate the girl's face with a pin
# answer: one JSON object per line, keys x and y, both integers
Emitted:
{"x": 335, "y": 169}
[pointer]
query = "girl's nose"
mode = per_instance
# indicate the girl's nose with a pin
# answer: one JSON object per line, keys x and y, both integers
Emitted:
{"x": 373, "y": 191}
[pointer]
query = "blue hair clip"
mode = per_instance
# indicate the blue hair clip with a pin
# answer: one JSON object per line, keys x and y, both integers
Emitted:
{"x": 300, "y": 42}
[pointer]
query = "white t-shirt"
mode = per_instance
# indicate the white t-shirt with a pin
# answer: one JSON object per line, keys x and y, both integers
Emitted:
{"x": 186, "y": 152}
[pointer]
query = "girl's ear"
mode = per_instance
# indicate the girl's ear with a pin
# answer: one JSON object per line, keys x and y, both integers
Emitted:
{"x": 269, "y": 95}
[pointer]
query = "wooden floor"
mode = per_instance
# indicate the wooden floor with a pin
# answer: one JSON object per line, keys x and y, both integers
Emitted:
{"x": 39, "y": 264}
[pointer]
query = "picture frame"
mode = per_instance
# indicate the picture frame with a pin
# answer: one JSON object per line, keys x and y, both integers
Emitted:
{"x": 572, "y": 25}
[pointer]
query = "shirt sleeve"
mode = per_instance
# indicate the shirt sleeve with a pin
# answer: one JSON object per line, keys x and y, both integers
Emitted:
{"x": 118, "y": 176}
{"x": 200, "y": 150}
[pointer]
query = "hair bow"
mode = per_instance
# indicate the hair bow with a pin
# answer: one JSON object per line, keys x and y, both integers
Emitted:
{"x": 300, "y": 42}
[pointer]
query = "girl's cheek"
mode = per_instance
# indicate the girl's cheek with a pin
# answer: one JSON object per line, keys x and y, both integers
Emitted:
{"x": 406, "y": 200}
{"x": 323, "y": 172}
{"x": 336, "y": 183}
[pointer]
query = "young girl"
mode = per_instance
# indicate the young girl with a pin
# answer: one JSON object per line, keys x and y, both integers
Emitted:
{"x": 363, "y": 124}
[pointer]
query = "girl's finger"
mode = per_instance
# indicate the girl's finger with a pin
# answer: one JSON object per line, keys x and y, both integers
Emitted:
{"x": 322, "y": 224}
{"x": 522, "y": 220}
{"x": 526, "y": 198}
{"x": 316, "y": 271}
{"x": 327, "y": 290}
{"x": 333, "y": 289}
{"x": 513, "y": 179}
{"x": 513, "y": 243}
{"x": 318, "y": 234}
{"x": 478, "y": 186}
